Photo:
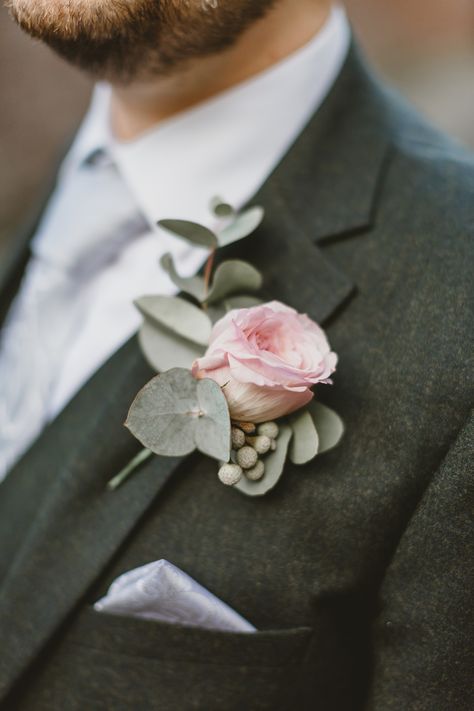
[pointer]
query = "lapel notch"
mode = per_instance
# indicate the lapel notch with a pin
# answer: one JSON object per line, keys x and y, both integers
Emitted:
{"x": 332, "y": 173}
{"x": 325, "y": 188}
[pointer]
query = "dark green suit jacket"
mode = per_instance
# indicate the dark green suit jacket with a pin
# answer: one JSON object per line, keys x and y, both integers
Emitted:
{"x": 357, "y": 568}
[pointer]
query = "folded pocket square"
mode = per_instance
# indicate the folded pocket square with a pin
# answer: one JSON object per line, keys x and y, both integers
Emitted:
{"x": 161, "y": 591}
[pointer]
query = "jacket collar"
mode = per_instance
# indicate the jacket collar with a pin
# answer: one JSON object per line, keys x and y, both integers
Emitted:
{"x": 329, "y": 179}
{"x": 325, "y": 187}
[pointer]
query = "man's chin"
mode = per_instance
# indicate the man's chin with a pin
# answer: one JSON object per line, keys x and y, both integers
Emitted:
{"x": 102, "y": 37}
{"x": 68, "y": 19}
{"x": 122, "y": 40}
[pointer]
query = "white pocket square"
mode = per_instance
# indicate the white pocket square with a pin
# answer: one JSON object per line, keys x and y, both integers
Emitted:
{"x": 161, "y": 591}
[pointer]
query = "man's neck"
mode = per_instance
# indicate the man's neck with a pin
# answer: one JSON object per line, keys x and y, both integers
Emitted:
{"x": 137, "y": 108}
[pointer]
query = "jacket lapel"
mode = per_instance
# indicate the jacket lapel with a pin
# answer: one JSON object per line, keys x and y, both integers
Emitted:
{"x": 333, "y": 172}
{"x": 294, "y": 269}
{"x": 324, "y": 189}
{"x": 325, "y": 186}
{"x": 79, "y": 524}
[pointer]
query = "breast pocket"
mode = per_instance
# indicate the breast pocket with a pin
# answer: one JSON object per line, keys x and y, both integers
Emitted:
{"x": 116, "y": 662}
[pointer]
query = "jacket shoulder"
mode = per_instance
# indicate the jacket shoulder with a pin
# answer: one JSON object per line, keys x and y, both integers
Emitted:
{"x": 427, "y": 190}
{"x": 434, "y": 172}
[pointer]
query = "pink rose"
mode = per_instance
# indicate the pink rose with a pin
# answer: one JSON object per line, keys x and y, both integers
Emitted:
{"x": 266, "y": 359}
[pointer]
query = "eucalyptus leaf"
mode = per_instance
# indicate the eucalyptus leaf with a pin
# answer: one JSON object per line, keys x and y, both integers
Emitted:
{"x": 305, "y": 442}
{"x": 212, "y": 432}
{"x": 329, "y": 425}
{"x": 220, "y": 208}
{"x": 216, "y": 312}
{"x": 274, "y": 466}
{"x": 164, "y": 350}
{"x": 177, "y": 315}
{"x": 243, "y": 226}
{"x": 219, "y": 310}
{"x": 191, "y": 232}
{"x": 174, "y": 414}
{"x": 241, "y": 302}
{"x": 233, "y": 277}
{"x": 195, "y": 286}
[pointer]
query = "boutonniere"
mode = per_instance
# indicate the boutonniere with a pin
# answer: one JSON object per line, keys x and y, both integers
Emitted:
{"x": 237, "y": 376}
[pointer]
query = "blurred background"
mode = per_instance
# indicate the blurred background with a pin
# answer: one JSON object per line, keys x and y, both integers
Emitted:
{"x": 424, "y": 47}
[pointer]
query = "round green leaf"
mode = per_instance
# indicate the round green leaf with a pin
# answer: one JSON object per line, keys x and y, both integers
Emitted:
{"x": 194, "y": 286}
{"x": 163, "y": 413}
{"x": 177, "y": 315}
{"x": 243, "y": 226}
{"x": 190, "y": 231}
{"x": 164, "y": 350}
{"x": 219, "y": 310}
{"x": 305, "y": 442}
{"x": 174, "y": 414}
{"x": 221, "y": 208}
{"x": 241, "y": 302}
{"x": 212, "y": 432}
{"x": 233, "y": 277}
{"x": 329, "y": 425}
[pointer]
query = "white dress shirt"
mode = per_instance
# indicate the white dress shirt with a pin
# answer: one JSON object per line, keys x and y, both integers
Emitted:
{"x": 225, "y": 146}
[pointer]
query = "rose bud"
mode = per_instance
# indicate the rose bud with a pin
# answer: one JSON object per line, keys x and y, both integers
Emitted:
{"x": 266, "y": 359}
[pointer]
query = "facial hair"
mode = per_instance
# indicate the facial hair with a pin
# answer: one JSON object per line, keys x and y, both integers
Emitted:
{"x": 122, "y": 40}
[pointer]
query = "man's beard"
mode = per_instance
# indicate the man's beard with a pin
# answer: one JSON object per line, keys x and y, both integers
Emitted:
{"x": 122, "y": 40}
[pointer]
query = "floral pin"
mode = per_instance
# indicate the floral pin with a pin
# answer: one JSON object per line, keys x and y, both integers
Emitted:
{"x": 236, "y": 375}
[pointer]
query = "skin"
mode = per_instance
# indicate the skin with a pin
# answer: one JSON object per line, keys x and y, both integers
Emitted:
{"x": 165, "y": 56}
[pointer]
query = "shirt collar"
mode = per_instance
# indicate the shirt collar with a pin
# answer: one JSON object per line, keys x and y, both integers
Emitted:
{"x": 227, "y": 145}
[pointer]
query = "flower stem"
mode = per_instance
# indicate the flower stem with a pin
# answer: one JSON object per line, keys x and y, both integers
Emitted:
{"x": 141, "y": 457}
{"x": 208, "y": 271}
